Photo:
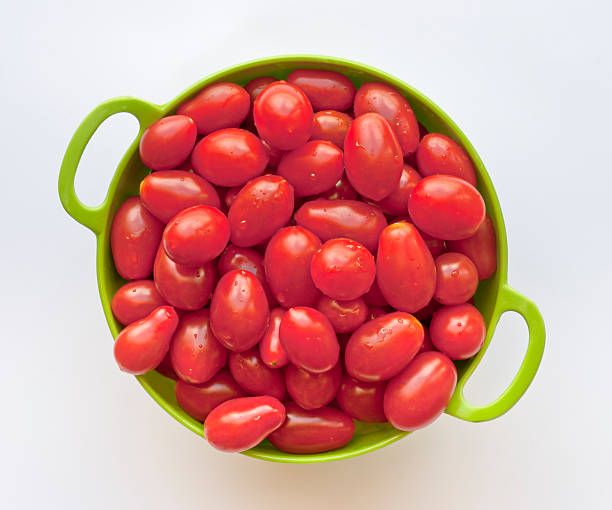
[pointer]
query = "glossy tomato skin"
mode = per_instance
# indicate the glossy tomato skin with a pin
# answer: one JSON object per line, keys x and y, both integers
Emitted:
{"x": 427, "y": 344}
{"x": 329, "y": 219}
{"x": 230, "y": 195}
{"x": 374, "y": 296}
{"x": 312, "y": 168}
{"x": 397, "y": 202}
{"x": 345, "y": 316}
{"x": 332, "y": 126}
{"x": 406, "y": 273}
{"x": 342, "y": 190}
{"x": 425, "y": 313}
{"x": 309, "y": 339}
{"x": 283, "y": 116}
{"x": 218, "y": 106}
{"x": 387, "y": 101}
{"x": 135, "y": 300}
{"x": 142, "y": 345}
{"x": 420, "y": 393}
{"x": 271, "y": 350}
{"x": 135, "y": 236}
{"x": 372, "y": 156}
{"x": 480, "y": 248}
{"x": 456, "y": 278}
{"x": 343, "y": 269}
{"x": 287, "y": 263}
{"x": 436, "y": 246}
{"x": 256, "y": 85}
{"x": 362, "y": 400}
{"x": 327, "y": 90}
{"x": 376, "y": 312}
{"x": 168, "y": 192}
{"x": 314, "y": 431}
{"x": 195, "y": 353}
{"x": 381, "y": 348}
{"x": 254, "y": 376}
{"x": 230, "y": 157}
{"x": 196, "y": 235}
{"x": 312, "y": 391}
{"x": 446, "y": 207}
{"x": 439, "y": 154}
{"x": 239, "y": 310}
{"x": 167, "y": 142}
{"x": 198, "y": 400}
{"x": 458, "y": 331}
{"x": 241, "y": 423}
{"x": 264, "y": 205}
{"x": 184, "y": 287}
{"x": 274, "y": 154}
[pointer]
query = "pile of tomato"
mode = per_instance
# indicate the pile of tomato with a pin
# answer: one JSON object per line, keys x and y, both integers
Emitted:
{"x": 303, "y": 254}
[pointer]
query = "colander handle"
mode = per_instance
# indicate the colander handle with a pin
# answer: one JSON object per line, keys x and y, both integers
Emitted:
{"x": 510, "y": 300}
{"x": 94, "y": 217}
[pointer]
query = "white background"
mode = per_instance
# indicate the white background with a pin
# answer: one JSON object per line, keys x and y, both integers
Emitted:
{"x": 528, "y": 82}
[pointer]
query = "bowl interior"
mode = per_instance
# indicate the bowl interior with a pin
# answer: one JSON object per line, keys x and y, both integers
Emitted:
{"x": 131, "y": 171}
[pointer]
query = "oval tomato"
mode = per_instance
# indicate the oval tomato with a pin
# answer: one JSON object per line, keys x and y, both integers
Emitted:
{"x": 372, "y": 156}
{"x": 397, "y": 202}
{"x": 480, "y": 248}
{"x": 239, "y": 310}
{"x": 446, "y": 207}
{"x": 362, "y": 400}
{"x": 456, "y": 278}
{"x": 217, "y": 106}
{"x": 168, "y": 192}
{"x": 439, "y": 154}
{"x": 406, "y": 273}
{"x": 230, "y": 157}
{"x": 332, "y": 126}
{"x": 135, "y": 236}
{"x": 345, "y": 316}
{"x": 381, "y": 348}
{"x": 271, "y": 350}
{"x": 264, "y": 205}
{"x": 420, "y": 393}
{"x": 254, "y": 376}
{"x": 342, "y": 190}
{"x": 256, "y": 85}
{"x": 311, "y": 391}
{"x": 458, "y": 331}
{"x": 327, "y": 90}
{"x": 135, "y": 300}
{"x": 168, "y": 142}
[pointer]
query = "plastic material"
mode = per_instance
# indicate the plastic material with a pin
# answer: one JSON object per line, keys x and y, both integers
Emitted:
{"x": 493, "y": 298}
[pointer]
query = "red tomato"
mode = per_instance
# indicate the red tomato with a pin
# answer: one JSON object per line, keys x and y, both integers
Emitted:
{"x": 198, "y": 400}
{"x": 167, "y": 193}
{"x": 274, "y": 154}
{"x": 375, "y": 313}
{"x": 356, "y": 220}
{"x": 283, "y": 116}
{"x": 230, "y": 196}
{"x": 195, "y": 353}
{"x": 345, "y": 316}
{"x": 480, "y": 248}
{"x": 168, "y": 142}
{"x": 436, "y": 246}
{"x": 239, "y": 310}
{"x": 332, "y": 126}
{"x": 387, "y": 101}
{"x": 311, "y": 391}
{"x": 327, "y": 90}
{"x": 271, "y": 350}
{"x": 256, "y": 85}
{"x": 218, "y": 106}
{"x": 314, "y": 431}
{"x": 397, "y": 202}
{"x": 196, "y": 235}
{"x": 406, "y": 273}
{"x": 241, "y": 423}
{"x": 362, "y": 400}
{"x": 343, "y": 269}
{"x": 425, "y": 313}
{"x": 456, "y": 279}
{"x": 374, "y": 297}
{"x": 142, "y": 345}
{"x": 165, "y": 368}
{"x": 342, "y": 190}
{"x": 372, "y": 156}
{"x": 458, "y": 331}
{"x": 135, "y": 236}
{"x": 135, "y": 300}
{"x": 185, "y": 287}
{"x": 439, "y": 154}
{"x": 309, "y": 339}
{"x": 230, "y": 157}
{"x": 381, "y": 348}
{"x": 446, "y": 207}
{"x": 254, "y": 376}
{"x": 312, "y": 168}
{"x": 427, "y": 345}
{"x": 421, "y": 392}
{"x": 263, "y": 206}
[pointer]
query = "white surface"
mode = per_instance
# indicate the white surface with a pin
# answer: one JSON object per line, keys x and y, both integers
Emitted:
{"x": 528, "y": 82}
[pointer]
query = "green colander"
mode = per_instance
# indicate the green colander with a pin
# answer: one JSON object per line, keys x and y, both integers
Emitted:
{"x": 494, "y": 296}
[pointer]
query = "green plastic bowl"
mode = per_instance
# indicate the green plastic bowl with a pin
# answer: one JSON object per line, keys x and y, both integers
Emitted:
{"x": 494, "y": 296}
